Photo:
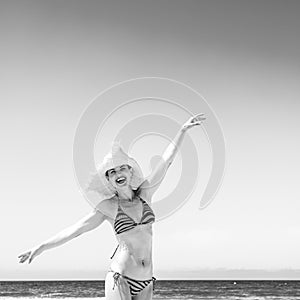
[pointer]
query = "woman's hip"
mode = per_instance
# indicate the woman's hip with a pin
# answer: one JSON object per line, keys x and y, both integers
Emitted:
{"x": 126, "y": 285}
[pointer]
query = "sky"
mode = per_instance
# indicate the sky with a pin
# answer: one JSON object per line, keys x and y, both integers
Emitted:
{"x": 242, "y": 56}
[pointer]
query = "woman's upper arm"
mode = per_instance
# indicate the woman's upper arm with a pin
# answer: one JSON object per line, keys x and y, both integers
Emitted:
{"x": 92, "y": 220}
{"x": 145, "y": 191}
{"x": 153, "y": 181}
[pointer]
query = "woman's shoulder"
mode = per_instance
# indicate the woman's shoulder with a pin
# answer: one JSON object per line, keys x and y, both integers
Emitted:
{"x": 108, "y": 206}
{"x": 142, "y": 191}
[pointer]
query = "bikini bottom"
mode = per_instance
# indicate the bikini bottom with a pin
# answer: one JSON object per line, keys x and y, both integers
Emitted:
{"x": 135, "y": 286}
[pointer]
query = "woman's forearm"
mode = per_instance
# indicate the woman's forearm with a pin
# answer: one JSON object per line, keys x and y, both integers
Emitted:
{"x": 89, "y": 222}
{"x": 172, "y": 149}
{"x": 61, "y": 238}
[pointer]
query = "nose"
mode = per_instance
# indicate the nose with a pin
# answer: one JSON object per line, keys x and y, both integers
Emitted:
{"x": 118, "y": 171}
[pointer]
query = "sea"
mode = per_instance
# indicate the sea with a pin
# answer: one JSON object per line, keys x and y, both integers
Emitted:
{"x": 164, "y": 289}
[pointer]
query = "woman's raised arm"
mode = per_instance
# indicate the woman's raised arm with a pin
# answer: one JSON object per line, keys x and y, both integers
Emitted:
{"x": 156, "y": 177}
{"x": 89, "y": 222}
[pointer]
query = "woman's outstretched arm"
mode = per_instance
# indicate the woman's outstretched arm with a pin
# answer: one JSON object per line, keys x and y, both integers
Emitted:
{"x": 89, "y": 222}
{"x": 156, "y": 177}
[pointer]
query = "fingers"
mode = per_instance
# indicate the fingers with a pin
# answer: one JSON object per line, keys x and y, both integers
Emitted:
{"x": 24, "y": 254}
{"x": 199, "y": 120}
{"x": 195, "y": 120}
{"x": 199, "y": 117}
{"x": 197, "y": 123}
{"x": 24, "y": 257}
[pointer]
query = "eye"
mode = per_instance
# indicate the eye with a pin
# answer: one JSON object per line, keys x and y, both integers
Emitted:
{"x": 111, "y": 172}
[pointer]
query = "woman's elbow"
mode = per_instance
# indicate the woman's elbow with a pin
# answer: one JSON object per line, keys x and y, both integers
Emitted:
{"x": 85, "y": 228}
{"x": 90, "y": 225}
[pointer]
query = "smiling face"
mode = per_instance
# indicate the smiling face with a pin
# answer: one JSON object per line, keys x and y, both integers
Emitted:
{"x": 120, "y": 176}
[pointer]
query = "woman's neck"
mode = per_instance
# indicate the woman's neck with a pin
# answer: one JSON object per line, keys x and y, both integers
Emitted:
{"x": 126, "y": 194}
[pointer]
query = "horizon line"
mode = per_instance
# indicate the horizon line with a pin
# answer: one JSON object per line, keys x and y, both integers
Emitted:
{"x": 167, "y": 279}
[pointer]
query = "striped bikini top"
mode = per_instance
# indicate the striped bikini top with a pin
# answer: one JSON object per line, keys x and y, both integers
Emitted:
{"x": 123, "y": 222}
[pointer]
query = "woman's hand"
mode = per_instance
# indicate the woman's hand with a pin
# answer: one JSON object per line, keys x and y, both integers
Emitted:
{"x": 194, "y": 121}
{"x": 30, "y": 255}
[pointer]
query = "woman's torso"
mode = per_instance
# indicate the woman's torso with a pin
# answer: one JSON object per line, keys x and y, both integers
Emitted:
{"x": 132, "y": 223}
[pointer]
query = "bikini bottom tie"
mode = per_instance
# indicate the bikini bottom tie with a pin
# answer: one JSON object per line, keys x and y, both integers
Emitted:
{"x": 135, "y": 286}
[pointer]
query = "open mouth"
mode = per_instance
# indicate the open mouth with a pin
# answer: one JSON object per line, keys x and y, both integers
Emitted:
{"x": 121, "y": 180}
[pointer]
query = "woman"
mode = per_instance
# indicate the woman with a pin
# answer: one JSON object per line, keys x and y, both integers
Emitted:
{"x": 128, "y": 211}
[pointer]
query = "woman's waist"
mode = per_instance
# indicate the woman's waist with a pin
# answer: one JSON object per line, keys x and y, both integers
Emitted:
{"x": 132, "y": 269}
{"x": 139, "y": 246}
{"x": 134, "y": 254}
{"x": 136, "y": 260}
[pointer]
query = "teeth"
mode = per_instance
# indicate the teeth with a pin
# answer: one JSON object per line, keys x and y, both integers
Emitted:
{"x": 120, "y": 179}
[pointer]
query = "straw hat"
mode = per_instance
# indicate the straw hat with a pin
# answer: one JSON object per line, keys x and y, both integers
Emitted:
{"x": 98, "y": 182}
